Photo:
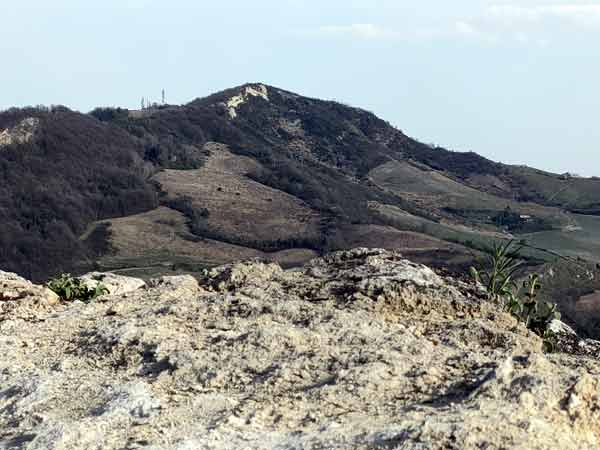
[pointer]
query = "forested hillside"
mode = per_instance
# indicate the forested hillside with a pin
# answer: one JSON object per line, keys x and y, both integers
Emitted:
{"x": 71, "y": 171}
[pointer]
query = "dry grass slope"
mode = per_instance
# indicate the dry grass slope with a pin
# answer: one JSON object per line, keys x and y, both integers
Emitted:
{"x": 416, "y": 246}
{"x": 238, "y": 206}
{"x": 435, "y": 191}
{"x": 159, "y": 241}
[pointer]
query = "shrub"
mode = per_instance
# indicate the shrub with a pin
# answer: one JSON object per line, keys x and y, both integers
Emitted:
{"x": 109, "y": 114}
{"x": 536, "y": 314}
{"x": 521, "y": 301}
{"x": 70, "y": 288}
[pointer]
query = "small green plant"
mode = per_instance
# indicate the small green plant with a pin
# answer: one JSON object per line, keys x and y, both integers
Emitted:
{"x": 502, "y": 262}
{"x": 521, "y": 301}
{"x": 536, "y": 314}
{"x": 71, "y": 288}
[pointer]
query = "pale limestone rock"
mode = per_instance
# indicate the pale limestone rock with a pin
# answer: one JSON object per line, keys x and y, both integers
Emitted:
{"x": 22, "y": 133}
{"x": 234, "y": 102}
{"x": 115, "y": 284}
{"x": 358, "y": 350}
{"x": 19, "y": 297}
{"x": 13, "y": 288}
{"x": 175, "y": 287}
{"x": 559, "y": 327}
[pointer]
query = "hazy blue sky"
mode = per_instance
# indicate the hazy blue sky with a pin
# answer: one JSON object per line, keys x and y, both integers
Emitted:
{"x": 517, "y": 82}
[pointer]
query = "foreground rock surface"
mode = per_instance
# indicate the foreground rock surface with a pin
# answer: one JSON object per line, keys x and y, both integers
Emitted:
{"x": 114, "y": 284}
{"x": 20, "y": 298}
{"x": 358, "y": 350}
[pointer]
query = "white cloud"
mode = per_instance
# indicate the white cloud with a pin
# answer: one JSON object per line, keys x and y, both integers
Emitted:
{"x": 512, "y": 22}
{"x": 532, "y": 24}
{"x": 361, "y": 31}
{"x": 465, "y": 29}
{"x": 577, "y": 13}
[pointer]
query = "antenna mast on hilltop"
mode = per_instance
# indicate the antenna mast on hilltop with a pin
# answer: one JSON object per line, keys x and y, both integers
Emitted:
{"x": 163, "y": 96}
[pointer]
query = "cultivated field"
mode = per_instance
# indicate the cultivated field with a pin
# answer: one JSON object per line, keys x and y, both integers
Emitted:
{"x": 403, "y": 220}
{"x": 583, "y": 241}
{"x": 568, "y": 192}
{"x": 389, "y": 238}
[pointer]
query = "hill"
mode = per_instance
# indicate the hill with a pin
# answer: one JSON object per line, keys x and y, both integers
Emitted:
{"x": 257, "y": 171}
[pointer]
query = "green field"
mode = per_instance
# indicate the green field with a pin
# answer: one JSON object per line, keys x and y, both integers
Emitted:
{"x": 451, "y": 233}
{"x": 584, "y": 242}
{"x": 436, "y": 192}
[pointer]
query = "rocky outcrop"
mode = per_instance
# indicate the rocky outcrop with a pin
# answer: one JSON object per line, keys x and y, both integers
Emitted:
{"x": 357, "y": 350}
{"x": 114, "y": 284}
{"x": 566, "y": 340}
{"x": 21, "y": 299}
{"x": 22, "y": 133}
{"x": 260, "y": 90}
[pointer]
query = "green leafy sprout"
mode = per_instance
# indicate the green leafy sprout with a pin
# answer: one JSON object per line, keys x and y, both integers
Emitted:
{"x": 503, "y": 263}
{"x": 71, "y": 288}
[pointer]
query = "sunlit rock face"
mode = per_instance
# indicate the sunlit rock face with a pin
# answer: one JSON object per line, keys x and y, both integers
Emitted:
{"x": 21, "y": 133}
{"x": 260, "y": 90}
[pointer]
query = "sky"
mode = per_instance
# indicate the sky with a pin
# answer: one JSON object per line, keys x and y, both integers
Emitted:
{"x": 517, "y": 82}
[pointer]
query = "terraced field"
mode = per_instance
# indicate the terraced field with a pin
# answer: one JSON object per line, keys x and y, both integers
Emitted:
{"x": 390, "y": 238}
{"x": 403, "y": 220}
{"x": 568, "y": 192}
{"x": 159, "y": 241}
